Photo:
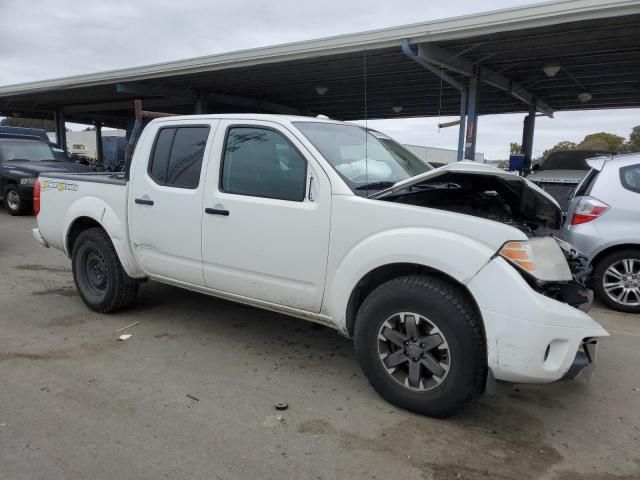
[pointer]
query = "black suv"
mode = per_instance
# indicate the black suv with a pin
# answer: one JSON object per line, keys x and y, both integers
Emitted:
{"x": 22, "y": 159}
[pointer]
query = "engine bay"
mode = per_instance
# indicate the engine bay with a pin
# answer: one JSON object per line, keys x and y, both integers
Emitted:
{"x": 485, "y": 196}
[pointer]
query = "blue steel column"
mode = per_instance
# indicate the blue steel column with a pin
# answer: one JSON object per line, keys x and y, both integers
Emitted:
{"x": 461, "y": 129}
{"x": 472, "y": 118}
{"x": 527, "y": 136}
{"x": 61, "y": 130}
{"x": 99, "y": 151}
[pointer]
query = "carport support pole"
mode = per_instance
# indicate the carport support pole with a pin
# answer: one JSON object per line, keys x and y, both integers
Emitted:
{"x": 472, "y": 118}
{"x": 61, "y": 130}
{"x": 201, "y": 103}
{"x": 461, "y": 129}
{"x": 99, "y": 152}
{"x": 527, "y": 136}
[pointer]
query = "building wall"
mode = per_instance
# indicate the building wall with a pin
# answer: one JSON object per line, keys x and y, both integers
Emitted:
{"x": 88, "y": 137}
{"x": 440, "y": 155}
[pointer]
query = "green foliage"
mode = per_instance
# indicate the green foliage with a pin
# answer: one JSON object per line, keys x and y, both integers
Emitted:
{"x": 515, "y": 147}
{"x": 602, "y": 141}
{"x": 47, "y": 125}
{"x": 633, "y": 145}
{"x": 565, "y": 145}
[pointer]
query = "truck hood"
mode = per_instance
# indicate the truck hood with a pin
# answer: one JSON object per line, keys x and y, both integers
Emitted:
{"x": 558, "y": 176}
{"x": 466, "y": 187}
{"x": 36, "y": 168}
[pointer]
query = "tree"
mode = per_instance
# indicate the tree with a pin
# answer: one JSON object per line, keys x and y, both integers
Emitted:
{"x": 558, "y": 147}
{"x": 633, "y": 145}
{"x": 602, "y": 141}
{"x": 47, "y": 125}
{"x": 515, "y": 147}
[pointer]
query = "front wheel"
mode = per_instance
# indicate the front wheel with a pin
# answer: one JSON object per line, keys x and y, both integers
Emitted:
{"x": 419, "y": 341}
{"x": 617, "y": 280}
{"x": 13, "y": 202}
{"x": 99, "y": 277}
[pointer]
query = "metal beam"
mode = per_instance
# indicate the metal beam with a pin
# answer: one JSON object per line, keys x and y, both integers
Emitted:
{"x": 472, "y": 118}
{"x": 193, "y": 96}
{"x": 527, "y": 138}
{"x": 61, "y": 129}
{"x": 442, "y": 58}
{"x": 99, "y": 150}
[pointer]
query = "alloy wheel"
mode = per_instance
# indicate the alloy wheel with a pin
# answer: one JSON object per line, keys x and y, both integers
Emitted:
{"x": 621, "y": 282}
{"x": 414, "y": 351}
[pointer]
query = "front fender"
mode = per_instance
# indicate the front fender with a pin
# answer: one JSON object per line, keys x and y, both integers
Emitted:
{"x": 116, "y": 227}
{"x": 455, "y": 255}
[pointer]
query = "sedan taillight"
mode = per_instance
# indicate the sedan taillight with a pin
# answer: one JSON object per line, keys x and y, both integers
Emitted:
{"x": 588, "y": 209}
{"x": 36, "y": 197}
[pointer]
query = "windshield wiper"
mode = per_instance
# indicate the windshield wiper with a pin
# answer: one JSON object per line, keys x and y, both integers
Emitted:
{"x": 376, "y": 185}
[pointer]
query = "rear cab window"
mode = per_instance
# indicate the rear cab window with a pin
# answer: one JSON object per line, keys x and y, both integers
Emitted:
{"x": 176, "y": 157}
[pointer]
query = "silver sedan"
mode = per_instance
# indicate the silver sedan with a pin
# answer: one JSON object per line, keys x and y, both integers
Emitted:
{"x": 603, "y": 223}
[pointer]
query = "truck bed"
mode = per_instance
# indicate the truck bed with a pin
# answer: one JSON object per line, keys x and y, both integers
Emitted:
{"x": 93, "y": 177}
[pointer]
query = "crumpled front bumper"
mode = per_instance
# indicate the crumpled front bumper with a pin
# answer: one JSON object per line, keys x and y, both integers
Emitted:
{"x": 531, "y": 338}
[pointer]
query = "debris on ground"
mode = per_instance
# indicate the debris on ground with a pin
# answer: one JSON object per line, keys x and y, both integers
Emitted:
{"x": 128, "y": 326}
{"x": 124, "y": 337}
{"x": 635, "y": 389}
{"x": 193, "y": 398}
{"x": 281, "y": 406}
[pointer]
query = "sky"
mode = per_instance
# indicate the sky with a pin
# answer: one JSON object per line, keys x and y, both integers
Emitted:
{"x": 68, "y": 37}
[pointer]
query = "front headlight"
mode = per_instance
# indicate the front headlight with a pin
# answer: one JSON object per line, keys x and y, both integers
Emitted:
{"x": 541, "y": 258}
{"x": 520, "y": 254}
{"x": 28, "y": 181}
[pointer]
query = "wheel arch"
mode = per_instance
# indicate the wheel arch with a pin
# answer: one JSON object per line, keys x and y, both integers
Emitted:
{"x": 613, "y": 249}
{"x": 376, "y": 277}
{"x": 90, "y": 216}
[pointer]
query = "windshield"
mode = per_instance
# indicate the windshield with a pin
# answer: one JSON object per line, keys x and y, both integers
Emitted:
{"x": 570, "y": 160}
{"x": 378, "y": 164}
{"x": 32, "y": 151}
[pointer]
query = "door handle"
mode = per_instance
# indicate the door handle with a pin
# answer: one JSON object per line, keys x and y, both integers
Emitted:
{"x": 144, "y": 201}
{"x": 216, "y": 211}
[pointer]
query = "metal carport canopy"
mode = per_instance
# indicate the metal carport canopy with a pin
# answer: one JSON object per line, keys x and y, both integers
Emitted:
{"x": 596, "y": 43}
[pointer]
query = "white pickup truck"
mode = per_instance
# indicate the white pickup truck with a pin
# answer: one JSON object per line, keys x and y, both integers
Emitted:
{"x": 443, "y": 277}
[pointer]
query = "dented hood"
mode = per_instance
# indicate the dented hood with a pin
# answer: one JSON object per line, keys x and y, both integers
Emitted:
{"x": 535, "y": 202}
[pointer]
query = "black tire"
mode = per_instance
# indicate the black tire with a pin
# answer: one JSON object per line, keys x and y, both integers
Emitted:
{"x": 13, "y": 202}
{"x": 600, "y": 277}
{"x": 444, "y": 306}
{"x": 100, "y": 279}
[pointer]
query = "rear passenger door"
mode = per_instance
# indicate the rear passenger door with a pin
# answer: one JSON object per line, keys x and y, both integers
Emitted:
{"x": 165, "y": 202}
{"x": 266, "y": 223}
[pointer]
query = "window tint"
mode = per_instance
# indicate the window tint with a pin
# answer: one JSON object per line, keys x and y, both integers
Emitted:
{"x": 177, "y": 156}
{"x": 630, "y": 178}
{"x": 262, "y": 163}
{"x": 160, "y": 156}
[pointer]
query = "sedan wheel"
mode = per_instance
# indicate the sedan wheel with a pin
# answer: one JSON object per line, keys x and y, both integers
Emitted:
{"x": 618, "y": 280}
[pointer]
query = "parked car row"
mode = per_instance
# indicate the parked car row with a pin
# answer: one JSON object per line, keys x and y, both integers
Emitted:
{"x": 23, "y": 156}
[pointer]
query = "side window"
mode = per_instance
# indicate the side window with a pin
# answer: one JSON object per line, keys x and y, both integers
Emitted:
{"x": 630, "y": 177}
{"x": 176, "y": 160}
{"x": 262, "y": 163}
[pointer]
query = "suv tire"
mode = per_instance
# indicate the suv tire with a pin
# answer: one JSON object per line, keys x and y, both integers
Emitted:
{"x": 407, "y": 323}
{"x": 100, "y": 279}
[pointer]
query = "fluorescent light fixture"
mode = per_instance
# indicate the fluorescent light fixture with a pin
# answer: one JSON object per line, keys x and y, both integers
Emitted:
{"x": 321, "y": 89}
{"x": 551, "y": 69}
{"x": 585, "y": 97}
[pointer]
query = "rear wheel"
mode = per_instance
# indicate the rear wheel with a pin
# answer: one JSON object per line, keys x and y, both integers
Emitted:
{"x": 419, "y": 341}
{"x": 617, "y": 280}
{"x": 100, "y": 279}
{"x": 13, "y": 202}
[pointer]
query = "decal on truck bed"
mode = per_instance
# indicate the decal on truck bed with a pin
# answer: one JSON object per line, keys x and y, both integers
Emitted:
{"x": 60, "y": 186}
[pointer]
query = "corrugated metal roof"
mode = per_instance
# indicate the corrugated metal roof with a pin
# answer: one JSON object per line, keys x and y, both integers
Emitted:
{"x": 526, "y": 17}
